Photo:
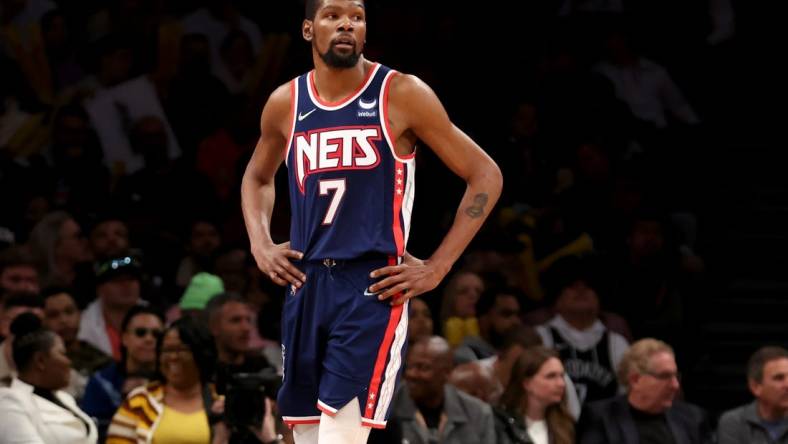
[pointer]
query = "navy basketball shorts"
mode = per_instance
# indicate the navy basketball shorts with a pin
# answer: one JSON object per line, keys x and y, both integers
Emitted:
{"x": 340, "y": 342}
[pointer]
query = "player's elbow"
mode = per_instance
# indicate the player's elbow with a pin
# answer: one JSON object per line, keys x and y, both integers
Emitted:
{"x": 251, "y": 178}
{"x": 255, "y": 172}
{"x": 495, "y": 176}
{"x": 495, "y": 172}
{"x": 489, "y": 176}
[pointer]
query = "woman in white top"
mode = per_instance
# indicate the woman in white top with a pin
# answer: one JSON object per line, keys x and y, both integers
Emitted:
{"x": 33, "y": 408}
{"x": 533, "y": 407}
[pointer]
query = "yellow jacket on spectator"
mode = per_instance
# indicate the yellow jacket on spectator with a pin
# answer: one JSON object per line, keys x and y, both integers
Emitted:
{"x": 140, "y": 415}
{"x": 456, "y": 329}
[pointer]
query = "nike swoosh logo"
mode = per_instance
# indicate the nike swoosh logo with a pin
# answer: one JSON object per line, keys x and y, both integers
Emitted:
{"x": 367, "y": 293}
{"x": 304, "y": 116}
{"x": 367, "y": 105}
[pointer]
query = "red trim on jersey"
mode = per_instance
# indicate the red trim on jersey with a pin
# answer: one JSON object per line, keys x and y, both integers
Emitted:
{"x": 384, "y": 110}
{"x": 294, "y": 422}
{"x": 400, "y": 174}
{"x": 373, "y": 425}
{"x": 347, "y": 98}
{"x": 383, "y": 351}
{"x": 325, "y": 410}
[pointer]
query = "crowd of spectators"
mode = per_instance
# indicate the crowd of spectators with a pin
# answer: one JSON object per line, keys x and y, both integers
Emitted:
{"x": 125, "y": 272}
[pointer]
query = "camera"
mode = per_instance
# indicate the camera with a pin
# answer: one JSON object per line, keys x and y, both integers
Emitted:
{"x": 244, "y": 404}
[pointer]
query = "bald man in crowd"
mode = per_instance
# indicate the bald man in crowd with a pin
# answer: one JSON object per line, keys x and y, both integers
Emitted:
{"x": 429, "y": 410}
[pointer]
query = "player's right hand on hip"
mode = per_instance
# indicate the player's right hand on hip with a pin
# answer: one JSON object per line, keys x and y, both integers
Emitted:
{"x": 274, "y": 261}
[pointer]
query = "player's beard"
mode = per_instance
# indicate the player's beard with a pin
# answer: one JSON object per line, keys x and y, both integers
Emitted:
{"x": 337, "y": 60}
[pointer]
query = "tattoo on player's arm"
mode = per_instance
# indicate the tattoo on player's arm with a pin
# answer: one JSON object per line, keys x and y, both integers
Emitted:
{"x": 476, "y": 210}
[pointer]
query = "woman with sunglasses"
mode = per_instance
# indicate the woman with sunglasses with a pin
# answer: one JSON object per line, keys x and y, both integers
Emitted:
{"x": 181, "y": 406}
{"x": 106, "y": 389}
{"x": 178, "y": 406}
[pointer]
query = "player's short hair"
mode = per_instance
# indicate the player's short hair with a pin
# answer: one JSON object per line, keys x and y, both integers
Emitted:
{"x": 311, "y": 8}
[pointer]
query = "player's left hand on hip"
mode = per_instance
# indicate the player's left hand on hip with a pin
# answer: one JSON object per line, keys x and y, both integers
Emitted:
{"x": 409, "y": 279}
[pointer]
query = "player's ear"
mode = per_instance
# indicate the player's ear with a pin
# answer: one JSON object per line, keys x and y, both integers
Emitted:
{"x": 307, "y": 30}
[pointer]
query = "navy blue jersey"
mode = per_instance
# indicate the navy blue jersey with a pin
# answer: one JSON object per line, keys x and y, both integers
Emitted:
{"x": 350, "y": 194}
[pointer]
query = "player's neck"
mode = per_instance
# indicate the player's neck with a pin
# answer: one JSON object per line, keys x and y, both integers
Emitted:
{"x": 335, "y": 84}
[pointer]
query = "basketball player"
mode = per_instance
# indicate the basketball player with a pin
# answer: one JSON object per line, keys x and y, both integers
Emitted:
{"x": 347, "y": 131}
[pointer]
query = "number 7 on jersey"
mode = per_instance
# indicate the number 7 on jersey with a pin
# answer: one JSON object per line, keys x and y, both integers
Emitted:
{"x": 338, "y": 185}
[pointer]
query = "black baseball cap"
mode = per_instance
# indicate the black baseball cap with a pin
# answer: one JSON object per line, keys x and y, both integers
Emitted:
{"x": 119, "y": 266}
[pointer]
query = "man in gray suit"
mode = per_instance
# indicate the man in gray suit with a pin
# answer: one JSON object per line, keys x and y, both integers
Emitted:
{"x": 764, "y": 420}
{"x": 427, "y": 410}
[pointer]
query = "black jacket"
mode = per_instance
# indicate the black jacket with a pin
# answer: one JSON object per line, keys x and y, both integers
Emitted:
{"x": 510, "y": 429}
{"x": 610, "y": 422}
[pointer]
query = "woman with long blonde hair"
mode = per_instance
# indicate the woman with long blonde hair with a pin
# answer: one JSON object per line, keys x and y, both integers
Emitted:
{"x": 533, "y": 407}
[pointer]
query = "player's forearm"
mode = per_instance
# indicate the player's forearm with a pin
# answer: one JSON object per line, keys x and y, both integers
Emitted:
{"x": 257, "y": 204}
{"x": 483, "y": 191}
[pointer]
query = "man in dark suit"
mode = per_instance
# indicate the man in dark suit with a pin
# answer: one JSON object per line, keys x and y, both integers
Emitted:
{"x": 648, "y": 413}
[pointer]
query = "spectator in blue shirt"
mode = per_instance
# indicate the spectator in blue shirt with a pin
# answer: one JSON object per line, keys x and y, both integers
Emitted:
{"x": 107, "y": 388}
